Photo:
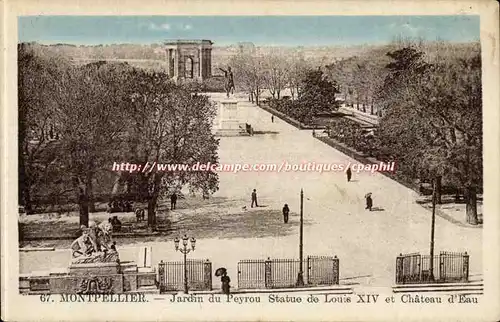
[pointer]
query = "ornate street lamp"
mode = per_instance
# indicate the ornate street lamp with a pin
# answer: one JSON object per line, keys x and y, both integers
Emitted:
{"x": 185, "y": 250}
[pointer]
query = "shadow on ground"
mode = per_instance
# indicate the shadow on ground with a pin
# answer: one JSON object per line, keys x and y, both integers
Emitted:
{"x": 214, "y": 218}
{"x": 255, "y": 223}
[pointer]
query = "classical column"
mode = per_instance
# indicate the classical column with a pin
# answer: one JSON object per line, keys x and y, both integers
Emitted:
{"x": 209, "y": 62}
{"x": 176, "y": 63}
{"x": 200, "y": 60}
{"x": 169, "y": 62}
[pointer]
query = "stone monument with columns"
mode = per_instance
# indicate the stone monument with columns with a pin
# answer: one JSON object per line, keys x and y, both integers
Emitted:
{"x": 189, "y": 59}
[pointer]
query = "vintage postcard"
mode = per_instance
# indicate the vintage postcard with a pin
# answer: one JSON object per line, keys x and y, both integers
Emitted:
{"x": 253, "y": 161}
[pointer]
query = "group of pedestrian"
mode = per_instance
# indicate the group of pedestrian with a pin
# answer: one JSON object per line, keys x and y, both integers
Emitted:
{"x": 118, "y": 205}
{"x": 368, "y": 196}
{"x": 285, "y": 209}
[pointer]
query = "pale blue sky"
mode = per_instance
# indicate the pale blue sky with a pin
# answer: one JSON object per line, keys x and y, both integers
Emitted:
{"x": 261, "y": 30}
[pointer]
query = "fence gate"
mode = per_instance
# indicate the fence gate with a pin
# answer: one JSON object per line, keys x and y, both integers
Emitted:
{"x": 252, "y": 274}
{"x": 322, "y": 270}
{"x": 454, "y": 267}
{"x": 408, "y": 268}
{"x": 171, "y": 275}
{"x": 283, "y": 273}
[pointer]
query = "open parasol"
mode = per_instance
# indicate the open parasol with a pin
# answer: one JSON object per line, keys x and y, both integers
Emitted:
{"x": 220, "y": 271}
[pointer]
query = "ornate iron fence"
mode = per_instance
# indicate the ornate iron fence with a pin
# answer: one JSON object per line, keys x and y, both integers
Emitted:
{"x": 322, "y": 270}
{"x": 454, "y": 267}
{"x": 447, "y": 267}
{"x": 282, "y": 273}
{"x": 171, "y": 275}
{"x": 252, "y": 274}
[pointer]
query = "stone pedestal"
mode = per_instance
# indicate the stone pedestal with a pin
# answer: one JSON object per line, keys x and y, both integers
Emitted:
{"x": 228, "y": 122}
{"x": 113, "y": 277}
{"x": 87, "y": 284}
{"x": 94, "y": 269}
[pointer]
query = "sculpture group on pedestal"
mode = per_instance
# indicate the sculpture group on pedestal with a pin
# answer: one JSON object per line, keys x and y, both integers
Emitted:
{"x": 95, "y": 245}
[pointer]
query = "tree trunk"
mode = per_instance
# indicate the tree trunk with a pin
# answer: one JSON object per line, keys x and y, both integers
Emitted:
{"x": 278, "y": 94}
{"x": 82, "y": 200}
{"x": 90, "y": 192}
{"x": 457, "y": 195}
{"x": 28, "y": 206}
{"x": 24, "y": 188}
{"x": 152, "y": 211}
{"x": 152, "y": 201}
{"x": 371, "y": 108}
{"x": 116, "y": 185}
{"x": 471, "y": 205}
{"x": 438, "y": 189}
{"x": 83, "y": 207}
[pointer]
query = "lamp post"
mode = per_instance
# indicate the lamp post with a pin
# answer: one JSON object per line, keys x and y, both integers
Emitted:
{"x": 300, "y": 277}
{"x": 433, "y": 224}
{"x": 185, "y": 250}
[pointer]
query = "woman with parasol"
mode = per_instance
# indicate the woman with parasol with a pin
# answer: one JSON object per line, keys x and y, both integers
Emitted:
{"x": 225, "y": 280}
{"x": 369, "y": 201}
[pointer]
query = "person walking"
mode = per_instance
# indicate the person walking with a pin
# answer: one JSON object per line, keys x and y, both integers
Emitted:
{"x": 173, "y": 201}
{"x": 225, "y": 280}
{"x": 254, "y": 198}
{"x": 226, "y": 287}
{"x": 286, "y": 211}
{"x": 369, "y": 201}
{"x": 272, "y": 118}
{"x": 349, "y": 174}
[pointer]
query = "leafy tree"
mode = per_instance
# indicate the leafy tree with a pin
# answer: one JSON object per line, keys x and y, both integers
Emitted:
{"x": 169, "y": 125}
{"x": 37, "y": 81}
{"x": 433, "y": 121}
{"x": 90, "y": 114}
{"x": 249, "y": 73}
{"x": 298, "y": 67}
{"x": 318, "y": 95}
{"x": 276, "y": 70}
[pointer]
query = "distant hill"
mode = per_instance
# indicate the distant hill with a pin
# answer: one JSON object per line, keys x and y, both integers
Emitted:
{"x": 153, "y": 56}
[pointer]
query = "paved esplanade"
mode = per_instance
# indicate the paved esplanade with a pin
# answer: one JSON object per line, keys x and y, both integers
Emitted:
{"x": 367, "y": 243}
